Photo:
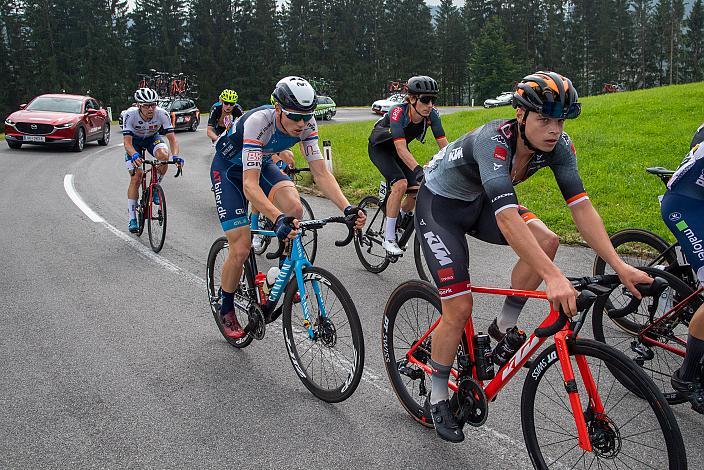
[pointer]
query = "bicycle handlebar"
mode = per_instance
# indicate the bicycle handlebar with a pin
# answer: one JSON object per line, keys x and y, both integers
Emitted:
{"x": 179, "y": 171}
{"x": 653, "y": 290}
{"x": 584, "y": 301}
{"x": 320, "y": 223}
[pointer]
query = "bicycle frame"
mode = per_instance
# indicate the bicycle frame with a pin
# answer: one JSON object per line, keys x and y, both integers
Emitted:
{"x": 520, "y": 357}
{"x": 294, "y": 264}
{"x": 153, "y": 181}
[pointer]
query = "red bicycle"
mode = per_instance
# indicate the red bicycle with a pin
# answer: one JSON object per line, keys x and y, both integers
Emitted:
{"x": 152, "y": 203}
{"x": 571, "y": 416}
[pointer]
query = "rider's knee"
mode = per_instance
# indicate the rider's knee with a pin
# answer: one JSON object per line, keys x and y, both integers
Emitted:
{"x": 550, "y": 243}
{"x": 297, "y": 210}
{"x": 239, "y": 246}
{"x": 456, "y": 311}
{"x": 400, "y": 186}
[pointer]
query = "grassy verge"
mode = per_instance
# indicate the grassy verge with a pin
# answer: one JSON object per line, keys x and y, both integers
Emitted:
{"x": 616, "y": 138}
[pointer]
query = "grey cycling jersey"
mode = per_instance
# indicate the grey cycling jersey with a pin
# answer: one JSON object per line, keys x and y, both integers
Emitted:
{"x": 482, "y": 160}
{"x": 135, "y": 125}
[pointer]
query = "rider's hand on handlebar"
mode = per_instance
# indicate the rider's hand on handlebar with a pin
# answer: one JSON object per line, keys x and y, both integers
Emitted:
{"x": 561, "y": 293}
{"x": 178, "y": 160}
{"x": 631, "y": 276}
{"x": 419, "y": 174}
{"x": 360, "y": 213}
{"x": 136, "y": 159}
{"x": 283, "y": 228}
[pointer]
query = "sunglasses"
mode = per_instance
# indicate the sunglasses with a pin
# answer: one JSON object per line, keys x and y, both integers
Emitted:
{"x": 149, "y": 105}
{"x": 297, "y": 116}
{"x": 427, "y": 99}
{"x": 228, "y": 103}
{"x": 554, "y": 110}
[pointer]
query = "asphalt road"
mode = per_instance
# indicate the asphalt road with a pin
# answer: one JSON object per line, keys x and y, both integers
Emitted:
{"x": 111, "y": 357}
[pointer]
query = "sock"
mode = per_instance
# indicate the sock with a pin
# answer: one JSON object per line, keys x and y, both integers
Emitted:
{"x": 693, "y": 358}
{"x": 510, "y": 312}
{"x": 391, "y": 228}
{"x": 441, "y": 374}
{"x": 228, "y": 302}
{"x": 131, "y": 206}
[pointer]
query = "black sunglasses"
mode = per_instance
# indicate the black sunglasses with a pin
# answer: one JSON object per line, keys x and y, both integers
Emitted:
{"x": 427, "y": 99}
{"x": 228, "y": 103}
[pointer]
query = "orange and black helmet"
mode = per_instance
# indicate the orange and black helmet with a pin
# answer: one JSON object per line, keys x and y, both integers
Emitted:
{"x": 549, "y": 94}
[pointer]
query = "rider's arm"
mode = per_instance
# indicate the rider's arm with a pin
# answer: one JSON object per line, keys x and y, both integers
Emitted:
{"x": 442, "y": 142}
{"x": 129, "y": 148}
{"x": 328, "y": 184}
{"x": 213, "y": 119}
{"x": 436, "y": 127}
{"x": 211, "y": 133}
{"x": 173, "y": 143}
{"x": 404, "y": 154}
{"x": 397, "y": 120}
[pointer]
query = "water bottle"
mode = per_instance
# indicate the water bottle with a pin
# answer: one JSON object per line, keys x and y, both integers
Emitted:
{"x": 508, "y": 346}
{"x": 482, "y": 357}
{"x": 262, "y": 287}
{"x": 271, "y": 275}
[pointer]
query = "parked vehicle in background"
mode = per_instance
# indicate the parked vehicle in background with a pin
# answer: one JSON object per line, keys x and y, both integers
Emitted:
{"x": 613, "y": 88}
{"x": 183, "y": 111}
{"x": 58, "y": 119}
{"x": 504, "y": 99}
{"x": 382, "y": 106}
{"x": 325, "y": 109}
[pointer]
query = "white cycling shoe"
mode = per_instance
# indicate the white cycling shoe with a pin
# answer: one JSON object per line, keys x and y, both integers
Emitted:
{"x": 258, "y": 242}
{"x": 392, "y": 248}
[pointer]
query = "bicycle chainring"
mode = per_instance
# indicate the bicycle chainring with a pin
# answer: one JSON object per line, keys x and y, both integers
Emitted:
{"x": 470, "y": 404}
{"x": 256, "y": 318}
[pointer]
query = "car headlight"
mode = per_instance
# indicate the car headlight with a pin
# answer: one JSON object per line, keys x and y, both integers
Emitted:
{"x": 66, "y": 125}
{"x": 9, "y": 122}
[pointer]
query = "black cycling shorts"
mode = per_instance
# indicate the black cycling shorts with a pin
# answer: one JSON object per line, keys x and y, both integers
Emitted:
{"x": 390, "y": 165}
{"x": 441, "y": 225}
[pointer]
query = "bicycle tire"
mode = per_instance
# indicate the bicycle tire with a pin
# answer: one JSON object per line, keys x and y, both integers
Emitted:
{"x": 421, "y": 265}
{"x": 607, "y": 438}
{"x": 156, "y": 222}
{"x": 218, "y": 250}
{"x": 328, "y": 337}
{"x": 309, "y": 238}
{"x": 638, "y": 248}
{"x": 395, "y": 342}
{"x": 373, "y": 235}
{"x": 141, "y": 211}
{"x": 264, "y": 224}
{"x": 625, "y": 338}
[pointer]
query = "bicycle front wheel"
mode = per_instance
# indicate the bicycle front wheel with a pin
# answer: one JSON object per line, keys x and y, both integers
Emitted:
{"x": 329, "y": 362}
{"x": 156, "y": 216}
{"x": 309, "y": 238}
{"x": 421, "y": 265}
{"x": 628, "y": 434}
{"x": 141, "y": 211}
{"x": 370, "y": 251}
{"x": 638, "y": 248}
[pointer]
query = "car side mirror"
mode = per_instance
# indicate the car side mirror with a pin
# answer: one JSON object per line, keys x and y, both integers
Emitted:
{"x": 23, "y": 105}
{"x": 92, "y": 111}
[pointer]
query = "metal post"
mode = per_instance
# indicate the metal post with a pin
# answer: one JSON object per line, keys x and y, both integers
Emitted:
{"x": 327, "y": 153}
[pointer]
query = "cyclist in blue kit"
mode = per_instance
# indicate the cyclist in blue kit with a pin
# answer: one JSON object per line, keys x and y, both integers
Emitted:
{"x": 242, "y": 170}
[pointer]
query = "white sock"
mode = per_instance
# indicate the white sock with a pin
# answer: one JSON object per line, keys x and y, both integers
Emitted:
{"x": 391, "y": 228}
{"x": 131, "y": 206}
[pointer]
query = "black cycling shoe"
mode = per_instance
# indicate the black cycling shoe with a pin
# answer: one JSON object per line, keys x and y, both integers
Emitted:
{"x": 692, "y": 391}
{"x": 445, "y": 423}
{"x": 494, "y": 331}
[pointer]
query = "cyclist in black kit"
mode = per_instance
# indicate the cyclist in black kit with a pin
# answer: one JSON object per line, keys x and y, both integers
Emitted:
{"x": 468, "y": 189}
{"x": 388, "y": 149}
{"x": 223, "y": 113}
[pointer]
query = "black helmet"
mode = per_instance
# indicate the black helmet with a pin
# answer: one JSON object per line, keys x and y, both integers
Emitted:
{"x": 296, "y": 94}
{"x": 422, "y": 85}
{"x": 549, "y": 94}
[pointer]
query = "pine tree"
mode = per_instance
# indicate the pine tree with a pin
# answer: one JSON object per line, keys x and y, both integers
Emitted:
{"x": 694, "y": 42}
{"x": 451, "y": 48}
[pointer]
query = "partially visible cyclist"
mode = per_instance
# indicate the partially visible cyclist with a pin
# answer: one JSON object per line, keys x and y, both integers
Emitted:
{"x": 469, "y": 189}
{"x": 140, "y": 133}
{"x": 243, "y": 171}
{"x": 388, "y": 149}
{"x": 698, "y": 137}
{"x": 682, "y": 210}
{"x": 223, "y": 112}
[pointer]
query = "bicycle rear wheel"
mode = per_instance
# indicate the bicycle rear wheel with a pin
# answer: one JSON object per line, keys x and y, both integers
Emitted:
{"x": 216, "y": 259}
{"x": 624, "y": 333}
{"x": 156, "y": 216}
{"x": 410, "y": 312}
{"x": 371, "y": 253}
{"x": 629, "y": 434}
{"x": 330, "y": 364}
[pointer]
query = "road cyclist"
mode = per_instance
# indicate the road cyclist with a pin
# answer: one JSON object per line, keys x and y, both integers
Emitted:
{"x": 222, "y": 113}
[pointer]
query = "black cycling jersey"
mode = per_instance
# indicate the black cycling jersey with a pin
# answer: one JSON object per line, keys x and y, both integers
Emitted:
{"x": 216, "y": 113}
{"x": 397, "y": 125}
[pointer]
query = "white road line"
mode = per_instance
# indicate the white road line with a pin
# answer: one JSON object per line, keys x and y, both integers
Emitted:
{"x": 369, "y": 376}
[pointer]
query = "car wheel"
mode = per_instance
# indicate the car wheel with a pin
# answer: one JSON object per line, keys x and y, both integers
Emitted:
{"x": 106, "y": 135}
{"x": 328, "y": 116}
{"x": 80, "y": 140}
{"x": 194, "y": 125}
{"x": 14, "y": 145}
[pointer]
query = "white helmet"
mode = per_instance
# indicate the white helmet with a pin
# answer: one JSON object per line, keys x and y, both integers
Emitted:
{"x": 146, "y": 95}
{"x": 296, "y": 94}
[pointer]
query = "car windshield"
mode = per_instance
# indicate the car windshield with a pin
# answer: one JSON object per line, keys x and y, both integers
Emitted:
{"x": 165, "y": 104}
{"x": 61, "y": 105}
{"x": 396, "y": 98}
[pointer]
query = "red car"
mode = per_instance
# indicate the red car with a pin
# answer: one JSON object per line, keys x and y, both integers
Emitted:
{"x": 68, "y": 120}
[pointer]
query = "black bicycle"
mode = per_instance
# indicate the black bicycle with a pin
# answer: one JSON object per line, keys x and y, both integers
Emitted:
{"x": 369, "y": 247}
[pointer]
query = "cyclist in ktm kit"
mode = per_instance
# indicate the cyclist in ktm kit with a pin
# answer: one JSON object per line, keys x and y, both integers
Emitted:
{"x": 388, "y": 150}
{"x": 682, "y": 210}
{"x": 469, "y": 189}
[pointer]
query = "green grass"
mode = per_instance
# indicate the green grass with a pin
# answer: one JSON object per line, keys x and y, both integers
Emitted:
{"x": 616, "y": 138}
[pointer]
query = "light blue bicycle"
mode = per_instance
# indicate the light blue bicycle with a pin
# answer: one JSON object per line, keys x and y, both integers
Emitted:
{"x": 322, "y": 331}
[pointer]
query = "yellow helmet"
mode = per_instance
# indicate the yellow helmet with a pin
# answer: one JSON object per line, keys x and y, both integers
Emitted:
{"x": 228, "y": 96}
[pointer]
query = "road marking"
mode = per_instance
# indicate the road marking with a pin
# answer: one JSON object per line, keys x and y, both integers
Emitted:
{"x": 369, "y": 376}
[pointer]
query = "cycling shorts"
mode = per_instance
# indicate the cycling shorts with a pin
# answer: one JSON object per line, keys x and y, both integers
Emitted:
{"x": 441, "y": 225}
{"x": 229, "y": 196}
{"x": 385, "y": 158}
{"x": 684, "y": 216}
{"x": 147, "y": 144}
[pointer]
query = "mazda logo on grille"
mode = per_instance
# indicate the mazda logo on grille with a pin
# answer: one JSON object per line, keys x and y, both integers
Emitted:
{"x": 33, "y": 126}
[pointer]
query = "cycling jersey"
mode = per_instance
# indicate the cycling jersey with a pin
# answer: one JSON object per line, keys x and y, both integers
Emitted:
{"x": 216, "y": 114}
{"x": 254, "y": 138}
{"x": 397, "y": 125}
{"x": 688, "y": 180}
{"x": 698, "y": 137}
{"x": 135, "y": 125}
{"x": 481, "y": 162}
